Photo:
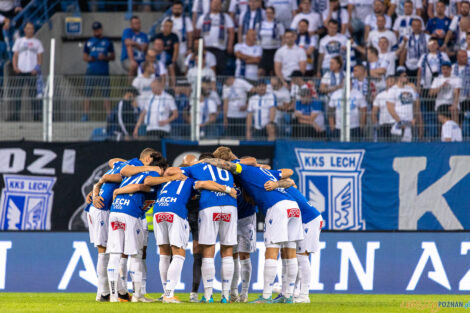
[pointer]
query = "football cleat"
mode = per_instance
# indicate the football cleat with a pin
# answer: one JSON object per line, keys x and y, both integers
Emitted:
{"x": 143, "y": 299}
{"x": 289, "y": 300}
{"x": 280, "y": 299}
{"x": 160, "y": 299}
{"x": 263, "y": 300}
{"x": 124, "y": 298}
{"x": 233, "y": 298}
{"x": 103, "y": 298}
{"x": 243, "y": 298}
{"x": 223, "y": 300}
{"x": 193, "y": 297}
{"x": 204, "y": 300}
{"x": 171, "y": 300}
{"x": 302, "y": 299}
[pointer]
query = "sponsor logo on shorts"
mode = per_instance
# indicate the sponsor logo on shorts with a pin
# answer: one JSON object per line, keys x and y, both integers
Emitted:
{"x": 321, "y": 225}
{"x": 293, "y": 213}
{"x": 164, "y": 217}
{"x": 118, "y": 225}
{"x": 224, "y": 217}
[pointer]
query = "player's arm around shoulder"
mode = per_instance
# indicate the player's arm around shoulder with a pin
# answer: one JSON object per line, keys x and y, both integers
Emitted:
{"x": 112, "y": 161}
{"x": 234, "y": 168}
{"x": 283, "y": 183}
{"x": 213, "y": 186}
{"x": 153, "y": 181}
{"x": 129, "y": 189}
{"x": 131, "y": 170}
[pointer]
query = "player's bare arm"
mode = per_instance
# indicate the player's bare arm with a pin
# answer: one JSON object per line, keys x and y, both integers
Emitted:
{"x": 153, "y": 181}
{"x": 114, "y": 160}
{"x": 129, "y": 189}
{"x": 89, "y": 197}
{"x": 286, "y": 172}
{"x": 110, "y": 178}
{"x": 283, "y": 183}
{"x": 213, "y": 186}
{"x": 131, "y": 170}
{"x": 229, "y": 166}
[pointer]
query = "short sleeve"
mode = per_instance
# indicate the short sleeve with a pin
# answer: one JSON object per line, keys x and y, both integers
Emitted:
{"x": 458, "y": 82}
{"x": 16, "y": 45}
{"x": 258, "y": 51}
{"x": 246, "y": 85}
{"x": 126, "y": 34}
{"x": 110, "y": 46}
{"x": 40, "y": 47}
{"x": 189, "y": 25}
{"x": 225, "y": 92}
{"x": 228, "y": 21}
{"x": 454, "y": 24}
{"x": 188, "y": 171}
{"x": 238, "y": 48}
{"x": 446, "y": 130}
{"x": 212, "y": 106}
{"x": 435, "y": 83}
{"x": 135, "y": 83}
{"x": 86, "y": 49}
{"x": 278, "y": 55}
{"x": 302, "y": 55}
{"x": 171, "y": 103}
{"x": 250, "y": 105}
{"x": 195, "y": 4}
{"x": 199, "y": 22}
{"x": 322, "y": 46}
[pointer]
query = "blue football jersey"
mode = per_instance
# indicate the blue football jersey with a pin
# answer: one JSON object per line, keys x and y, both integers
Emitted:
{"x": 135, "y": 162}
{"x": 107, "y": 189}
{"x": 173, "y": 197}
{"x": 133, "y": 204}
{"x": 253, "y": 179}
{"x": 87, "y": 207}
{"x": 308, "y": 211}
{"x": 203, "y": 171}
{"x": 244, "y": 207}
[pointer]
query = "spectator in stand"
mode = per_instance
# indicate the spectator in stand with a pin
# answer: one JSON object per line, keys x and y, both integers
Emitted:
{"x": 159, "y": 112}
{"x": 457, "y": 30}
{"x": 234, "y": 95}
{"x": 467, "y": 46}
{"x": 358, "y": 11}
{"x": 207, "y": 72}
{"x": 284, "y": 106}
{"x": 308, "y": 43}
{"x": 398, "y": 7}
{"x": 251, "y": 19}
{"x": 362, "y": 83}
{"x": 298, "y": 83}
{"x": 143, "y": 82}
{"x": 9, "y": 8}
{"x": 270, "y": 36}
{"x": 236, "y": 9}
{"x": 462, "y": 69}
{"x": 207, "y": 114}
{"x": 27, "y": 61}
{"x": 200, "y": 8}
{"x": 182, "y": 94}
{"x": 285, "y": 10}
{"x": 450, "y": 129}
{"x": 375, "y": 35}
{"x": 4, "y": 27}
{"x": 122, "y": 120}
{"x": 404, "y": 106}
{"x": 446, "y": 89}
{"x": 260, "y": 121}
{"x": 439, "y": 25}
{"x": 309, "y": 119}
{"x": 371, "y": 20}
{"x": 183, "y": 28}
{"x": 158, "y": 66}
{"x": 315, "y": 23}
{"x": 98, "y": 52}
{"x": 452, "y": 9}
{"x": 379, "y": 108}
{"x": 338, "y": 14}
{"x": 357, "y": 111}
{"x": 430, "y": 65}
{"x": 171, "y": 47}
{"x": 134, "y": 46}
{"x": 333, "y": 44}
{"x": 248, "y": 56}
{"x": 190, "y": 61}
{"x": 289, "y": 58}
{"x": 218, "y": 33}
{"x": 402, "y": 26}
{"x": 415, "y": 46}
{"x": 333, "y": 79}
{"x": 159, "y": 47}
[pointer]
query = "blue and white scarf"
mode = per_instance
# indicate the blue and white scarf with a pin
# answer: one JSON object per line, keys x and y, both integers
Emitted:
{"x": 206, "y": 25}
{"x": 256, "y": 22}
{"x": 417, "y": 47}
{"x": 465, "y": 76}
{"x": 333, "y": 81}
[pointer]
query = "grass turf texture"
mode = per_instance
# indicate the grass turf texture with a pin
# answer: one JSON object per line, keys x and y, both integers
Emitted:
{"x": 324, "y": 303}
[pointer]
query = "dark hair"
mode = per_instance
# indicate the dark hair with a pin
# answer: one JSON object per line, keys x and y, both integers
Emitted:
{"x": 159, "y": 160}
{"x": 178, "y": 3}
{"x": 409, "y": 1}
{"x": 132, "y": 90}
{"x": 134, "y": 17}
{"x": 338, "y": 59}
{"x": 360, "y": 65}
{"x": 206, "y": 155}
{"x": 304, "y": 20}
{"x": 169, "y": 20}
{"x": 443, "y": 2}
{"x": 333, "y": 21}
{"x": 444, "y": 110}
{"x": 373, "y": 50}
{"x": 290, "y": 31}
{"x": 434, "y": 39}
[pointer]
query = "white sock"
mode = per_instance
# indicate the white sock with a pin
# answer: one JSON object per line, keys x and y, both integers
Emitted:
{"x": 245, "y": 270}
{"x": 297, "y": 283}
{"x": 284, "y": 276}
{"x": 135, "y": 269}
{"x": 208, "y": 276}
{"x": 144, "y": 277}
{"x": 292, "y": 268}
{"x": 163, "y": 267}
{"x": 113, "y": 274}
{"x": 236, "y": 277}
{"x": 227, "y": 275}
{"x": 102, "y": 271}
{"x": 305, "y": 273}
{"x": 270, "y": 269}
{"x": 174, "y": 274}
{"x": 122, "y": 283}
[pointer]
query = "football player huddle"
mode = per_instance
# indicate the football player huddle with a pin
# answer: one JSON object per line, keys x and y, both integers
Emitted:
{"x": 216, "y": 196}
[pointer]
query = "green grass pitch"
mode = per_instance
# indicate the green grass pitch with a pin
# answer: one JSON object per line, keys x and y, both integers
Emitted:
{"x": 321, "y": 303}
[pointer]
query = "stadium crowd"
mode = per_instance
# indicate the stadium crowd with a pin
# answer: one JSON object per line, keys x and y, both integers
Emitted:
{"x": 277, "y": 69}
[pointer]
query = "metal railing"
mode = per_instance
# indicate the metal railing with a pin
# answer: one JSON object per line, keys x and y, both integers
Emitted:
{"x": 90, "y": 108}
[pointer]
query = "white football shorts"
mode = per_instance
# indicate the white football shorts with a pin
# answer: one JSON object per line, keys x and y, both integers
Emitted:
{"x": 170, "y": 229}
{"x": 125, "y": 234}
{"x": 98, "y": 226}
{"x": 311, "y": 241}
{"x": 283, "y": 223}
{"x": 246, "y": 235}
{"x": 218, "y": 220}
